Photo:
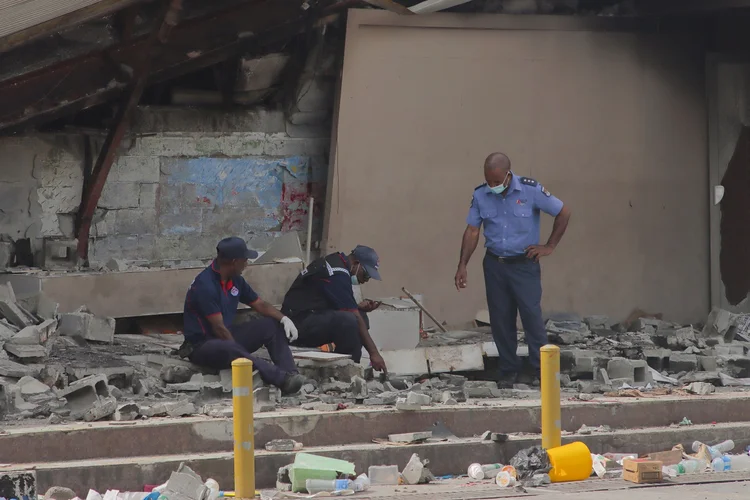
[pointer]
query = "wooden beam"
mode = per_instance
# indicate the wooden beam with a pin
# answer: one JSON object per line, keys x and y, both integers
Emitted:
{"x": 108, "y": 153}
{"x": 390, "y": 5}
{"x": 676, "y": 7}
{"x": 99, "y": 9}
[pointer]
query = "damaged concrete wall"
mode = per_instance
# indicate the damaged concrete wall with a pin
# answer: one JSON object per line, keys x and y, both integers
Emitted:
{"x": 187, "y": 178}
{"x": 613, "y": 123}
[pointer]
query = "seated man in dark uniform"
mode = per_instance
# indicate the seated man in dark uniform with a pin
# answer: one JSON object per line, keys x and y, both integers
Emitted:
{"x": 321, "y": 303}
{"x": 210, "y": 307}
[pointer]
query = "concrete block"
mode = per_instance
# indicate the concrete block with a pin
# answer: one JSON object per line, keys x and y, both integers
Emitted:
{"x": 26, "y": 352}
{"x": 136, "y": 168}
{"x": 101, "y": 409}
{"x": 29, "y": 386}
{"x": 418, "y": 399}
{"x": 658, "y": 359}
{"x": 10, "y": 368}
{"x": 708, "y": 363}
{"x": 181, "y": 409}
{"x": 86, "y": 325}
{"x": 148, "y": 194}
{"x": 736, "y": 366}
{"x": 118, "y": 195}
{"x": 86, "y": 394}
{"x": 729, "y": 350}
{"x": 135, "y": 221}
{"x": 7, "y": 251}
{"x": 10, "y": 310}
{"x": 717, "y": 323}
{"x": 410, "y": 437}
{"x": 597, "y": 322}
{"x": 185, "y": 484}
{"x": 679, "y": 362}
{"x": 620, "y": 368}
{"x": 359, "y": 388}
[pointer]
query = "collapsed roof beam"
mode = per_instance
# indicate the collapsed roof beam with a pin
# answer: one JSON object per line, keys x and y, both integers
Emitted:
{"x": 389, "y": 5}
{"x": 83, "y": 82}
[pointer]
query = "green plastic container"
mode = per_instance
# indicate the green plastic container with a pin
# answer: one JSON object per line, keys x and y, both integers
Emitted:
{"x": 307, "y": 466}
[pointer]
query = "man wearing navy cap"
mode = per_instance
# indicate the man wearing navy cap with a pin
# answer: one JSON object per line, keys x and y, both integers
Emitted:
{"x": 321, "y": 303}
{"x": 210, "y": 307}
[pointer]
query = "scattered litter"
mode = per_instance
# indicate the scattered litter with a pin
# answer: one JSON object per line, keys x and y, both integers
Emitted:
{"x": 685, "y": 421}
{"x": 530, "y": 461}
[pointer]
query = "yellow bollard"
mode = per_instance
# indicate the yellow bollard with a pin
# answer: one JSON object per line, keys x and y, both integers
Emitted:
{"x": 550, "y": 381}
{"x": 244, "y": 445}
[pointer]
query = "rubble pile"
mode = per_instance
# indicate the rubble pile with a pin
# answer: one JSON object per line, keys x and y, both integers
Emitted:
{"x": 600, "y": 356}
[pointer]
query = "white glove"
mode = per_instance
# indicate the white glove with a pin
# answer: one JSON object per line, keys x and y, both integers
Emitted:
{"x": 289, "y": 329}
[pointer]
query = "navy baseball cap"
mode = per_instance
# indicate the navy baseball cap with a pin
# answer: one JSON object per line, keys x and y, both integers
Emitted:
{"x": 369, "y": 260}
{"x": 234, "y": 248}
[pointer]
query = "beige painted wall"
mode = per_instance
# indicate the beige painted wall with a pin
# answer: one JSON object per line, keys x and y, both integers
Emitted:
{"x": 612, "y": 122}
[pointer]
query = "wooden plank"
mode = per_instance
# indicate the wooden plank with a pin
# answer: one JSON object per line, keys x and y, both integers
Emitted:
{"x": 320, "y": 356}
{"x": 99, "y": 9}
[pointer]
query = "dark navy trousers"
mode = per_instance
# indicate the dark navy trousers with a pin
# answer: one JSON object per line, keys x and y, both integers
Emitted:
{"x": 318, "y": 328}
{"x": 515, "y": 288}
{"x": 249, "y": 337}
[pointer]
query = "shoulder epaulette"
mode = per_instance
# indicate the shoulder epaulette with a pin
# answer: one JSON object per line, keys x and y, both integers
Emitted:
{"x": 480, "y": 186}
{"x": 528, "y": 181}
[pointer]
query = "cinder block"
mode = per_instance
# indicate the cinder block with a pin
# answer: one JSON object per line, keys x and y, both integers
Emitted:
{"x": 135, "y": 221}
{"x": 88, "y": 326}
{"x": 658, "y": 359}
{"x": 708, "y": 363}
{"x": 620, "y": 368}
{"x": 729, "y": 350}
{"x": 136, "y": 168}
{"x": 117, "y": 195}
{"x": 418, "y": 399}
{"x": 679, "y": 362}
{"x": 87, "y": 394}
{"x": 148, "y": 195}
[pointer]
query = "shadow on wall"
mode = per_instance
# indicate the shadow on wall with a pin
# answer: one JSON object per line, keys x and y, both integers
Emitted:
{"x": 734, "y": 259}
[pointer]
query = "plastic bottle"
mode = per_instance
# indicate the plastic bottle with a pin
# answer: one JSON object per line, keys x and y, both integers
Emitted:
{"x": 731, "y": 462}
{"x": 326, "y": 485}
{"x": 716, "y": 450}
{"x": 488, "y": 471}
{"x": 362, "y": 483}
{"x": 213, "y": 489}
{"x": 686, "y": 467}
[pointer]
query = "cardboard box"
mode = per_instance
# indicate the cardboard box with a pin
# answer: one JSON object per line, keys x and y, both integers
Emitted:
{"x": 642, "y": 470}
{"x": 671, "y": 457}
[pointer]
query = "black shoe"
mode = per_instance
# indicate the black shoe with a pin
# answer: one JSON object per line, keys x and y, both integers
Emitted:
{"x": 293, "y": 382}
{"x": 506, "y": 381}
{"x": 530, "y": 378}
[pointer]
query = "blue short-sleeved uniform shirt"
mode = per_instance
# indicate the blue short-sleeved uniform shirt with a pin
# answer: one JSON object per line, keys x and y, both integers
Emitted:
{"x": 207, "y": 296}
{"x": 511, "y": 222}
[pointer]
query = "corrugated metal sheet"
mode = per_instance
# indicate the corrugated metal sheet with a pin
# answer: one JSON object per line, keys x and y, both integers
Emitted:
{"x": 17, "y": 15}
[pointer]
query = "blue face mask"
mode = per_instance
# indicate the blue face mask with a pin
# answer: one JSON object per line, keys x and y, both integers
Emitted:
{"x": 355, "y": 280}
{"x": 500, "y": 189}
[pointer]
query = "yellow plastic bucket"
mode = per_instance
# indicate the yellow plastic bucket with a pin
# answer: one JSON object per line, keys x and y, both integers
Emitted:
{"x": 571, "y": 462}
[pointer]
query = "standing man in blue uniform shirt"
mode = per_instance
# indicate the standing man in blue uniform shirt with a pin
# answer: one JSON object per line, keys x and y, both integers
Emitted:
{"x": 509, "y": 206}
{"x": 210, "y": 307}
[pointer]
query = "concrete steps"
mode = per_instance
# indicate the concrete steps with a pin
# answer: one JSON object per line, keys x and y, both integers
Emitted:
{"x": 205, "y": 435}
{"x": 449, "y": 457}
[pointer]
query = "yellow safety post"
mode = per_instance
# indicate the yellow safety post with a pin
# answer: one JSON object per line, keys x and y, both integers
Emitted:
{"x": 550, "y": 364}
{"x": 244, "y": 441}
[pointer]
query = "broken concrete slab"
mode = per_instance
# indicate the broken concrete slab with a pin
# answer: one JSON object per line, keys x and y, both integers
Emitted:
{"x": 701, "y": 388}
{"x": 126, "y": 412}
{"x": 410, "y": 437}
{"x": 181, "y": 409}
{"x": 12, "y": 369}
{"x": 84, "y": 324}
{"x": 283, "y": 445}
{"x": 414, "y": 398}
{"x": 26, "y": 352}
{"x": 359, "y": 388}
{"x": 102, "y": 408}
{"x": 29, "y": 386}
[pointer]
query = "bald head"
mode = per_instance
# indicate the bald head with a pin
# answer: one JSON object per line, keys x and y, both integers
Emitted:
{"x": 497, "y": 170}
{"x": 497, "y": 161}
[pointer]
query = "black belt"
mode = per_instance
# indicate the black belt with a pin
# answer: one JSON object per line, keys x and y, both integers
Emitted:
{"x": 514, "y": 259}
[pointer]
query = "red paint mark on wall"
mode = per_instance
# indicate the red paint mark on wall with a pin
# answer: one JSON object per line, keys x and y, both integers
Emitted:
{"x": 294, "y": 205}
{"x": 203, "y": 199}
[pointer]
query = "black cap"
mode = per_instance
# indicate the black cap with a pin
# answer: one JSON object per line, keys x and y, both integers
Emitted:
{"x": 234, "y": 248}
{"x": 369, "y": 260}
